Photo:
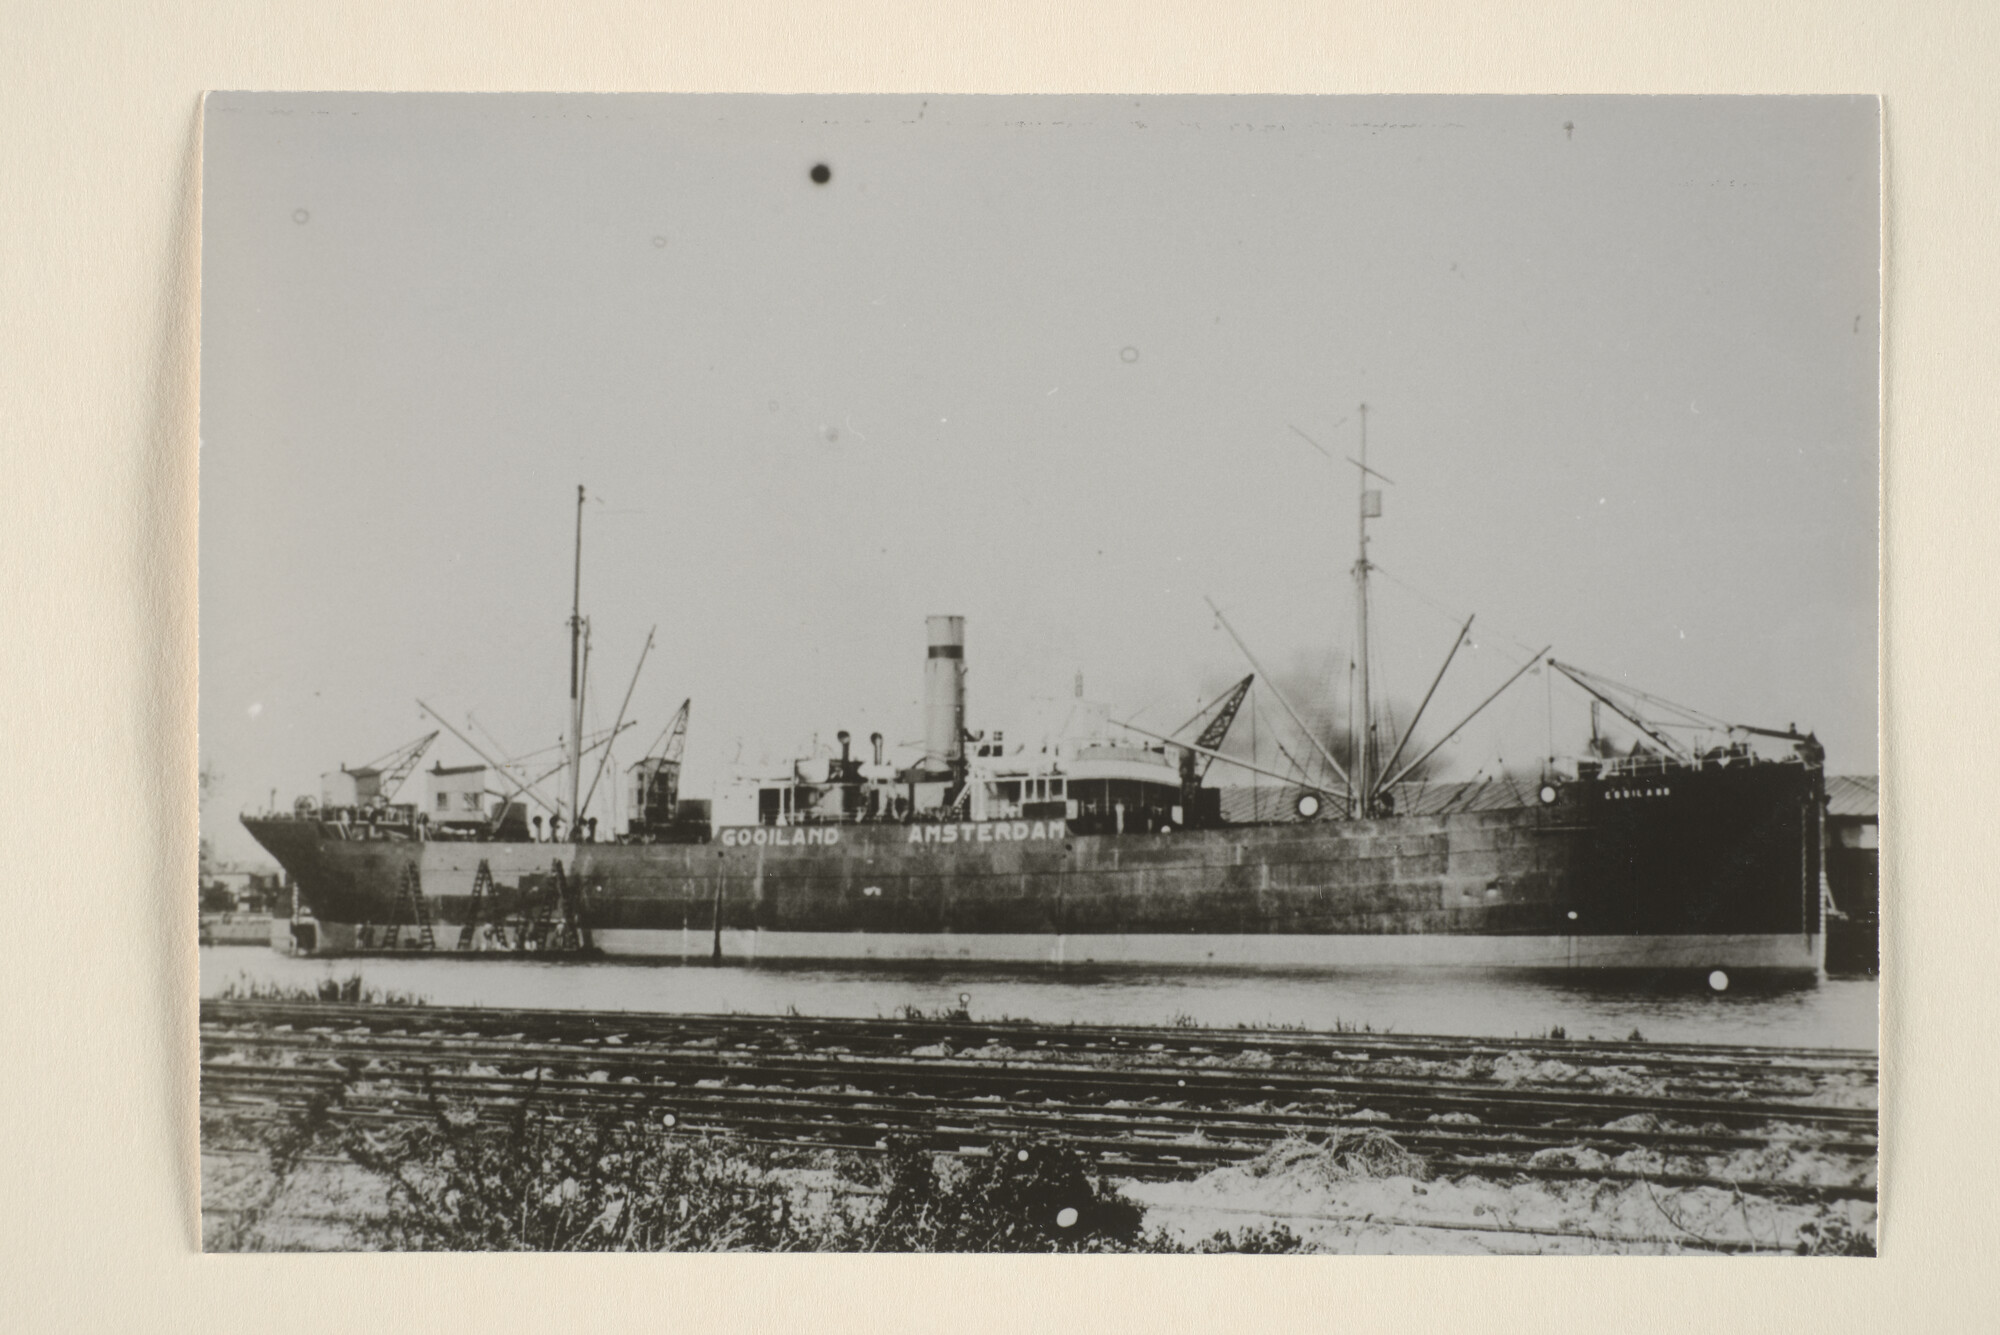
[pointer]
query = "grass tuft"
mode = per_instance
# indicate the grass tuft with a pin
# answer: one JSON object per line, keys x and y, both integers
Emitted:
{"x": 329, "y": 989}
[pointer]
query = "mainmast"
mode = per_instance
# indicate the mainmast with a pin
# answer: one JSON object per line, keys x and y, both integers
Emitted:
{"x": 1370, "y": 505}
{"x": 576, "y": 676}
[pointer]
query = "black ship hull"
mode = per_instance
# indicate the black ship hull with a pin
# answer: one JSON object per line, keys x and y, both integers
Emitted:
{"x": 1677, "y": 866}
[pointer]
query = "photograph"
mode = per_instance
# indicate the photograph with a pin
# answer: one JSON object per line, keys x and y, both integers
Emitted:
{"x": 1113, "y": 674}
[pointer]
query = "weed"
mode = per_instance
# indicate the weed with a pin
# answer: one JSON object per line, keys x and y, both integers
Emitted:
{"x": 1277, "y": 1240}
{"x": 285, "y": 1144}
{"x": 1834, "y": 1236}
{"x": 1341, "y": 1156}
{"x": 328, "y": 989}
{"x": 532, "y": 1181}
{"x": 943, "y": 1015}
{"x": 539, "y": 1184}
{"x": 1025, "y": 1195}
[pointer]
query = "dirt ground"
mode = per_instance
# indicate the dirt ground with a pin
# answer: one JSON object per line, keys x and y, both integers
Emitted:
{"x": 1335, "y": 1205}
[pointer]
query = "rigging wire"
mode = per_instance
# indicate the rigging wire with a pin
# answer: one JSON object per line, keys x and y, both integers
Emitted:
{"x": 1376, "y": 673}
{"x": 1506, "y": 723}
{"x": 1445, "y": 612}
{"x": 1298, "y": 770}
{"x": 473, "y": 720}
{"x": 1256, "y": 793}
{"x": 1694, "y": 718}
{"x": 590, "y": 709}
{"x": 1549, "y": 692}
{"x": 1353, "y": 697}
{"x": 1411, "y": 589}
{"x": 520, "y": 761}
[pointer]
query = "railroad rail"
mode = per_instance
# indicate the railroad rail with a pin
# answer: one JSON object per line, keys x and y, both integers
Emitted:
{"x": 1149, "y": 1103}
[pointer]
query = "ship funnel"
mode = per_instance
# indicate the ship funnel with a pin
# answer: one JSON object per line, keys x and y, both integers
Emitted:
{"x": 944, "y": 691}
{"x": 875, "y": 740}
{"x": 844, "y": 739}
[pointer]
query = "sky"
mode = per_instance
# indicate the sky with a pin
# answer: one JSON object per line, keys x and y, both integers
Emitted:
{"x": 1068, "y": 367}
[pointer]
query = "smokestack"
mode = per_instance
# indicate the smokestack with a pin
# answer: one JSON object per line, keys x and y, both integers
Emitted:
{"x": 944, "y": 691}
{"x": 844, "y": 739}
{"x": 875, "y": 740}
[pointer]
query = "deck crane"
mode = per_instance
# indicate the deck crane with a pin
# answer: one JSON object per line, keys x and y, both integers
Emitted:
{"x": 675, "y": 736}
{"x": 1225, "y": 707}
{"x": 1221, "y": 712}
{"x": 391, "y": 770}
{"x": 656, "y": 779}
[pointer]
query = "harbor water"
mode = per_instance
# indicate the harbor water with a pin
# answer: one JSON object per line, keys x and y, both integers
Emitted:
{"x": 1831, "y": 1012}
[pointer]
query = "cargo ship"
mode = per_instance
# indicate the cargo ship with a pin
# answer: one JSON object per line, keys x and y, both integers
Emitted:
{"x": 1107, "y": 848}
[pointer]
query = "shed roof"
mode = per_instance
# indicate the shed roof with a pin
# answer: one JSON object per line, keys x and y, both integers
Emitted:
{"x": 1851, "y": 795}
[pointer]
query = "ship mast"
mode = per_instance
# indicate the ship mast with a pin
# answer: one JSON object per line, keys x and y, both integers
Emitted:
{"x": 1364, "y": 786}
{"x": 576, "y": 675}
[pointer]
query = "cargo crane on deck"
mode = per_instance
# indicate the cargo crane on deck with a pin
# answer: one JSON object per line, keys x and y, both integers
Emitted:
{"x": 1221, "y": 712}
{"x": 656, "y": 779}
{"x": 373, "y": 786}
{"x": 398, "y": 765}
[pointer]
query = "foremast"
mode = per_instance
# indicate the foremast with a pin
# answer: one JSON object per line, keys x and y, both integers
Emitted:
{"x": 576, "y": 680}
{"x": 1368, "y": 506}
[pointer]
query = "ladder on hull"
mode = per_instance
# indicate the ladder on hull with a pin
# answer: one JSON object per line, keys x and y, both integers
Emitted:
{"x": 484, "y": 893}
{"x": 409, "y": 904}
{"x": 555, "y": 923}
{"x": 550, "y": 921}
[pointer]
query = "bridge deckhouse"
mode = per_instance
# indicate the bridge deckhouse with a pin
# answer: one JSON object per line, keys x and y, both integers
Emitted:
{"x": 1099, "y": 785}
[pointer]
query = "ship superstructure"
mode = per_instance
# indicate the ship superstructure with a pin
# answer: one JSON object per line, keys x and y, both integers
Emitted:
{"x": 1092, "y": 776}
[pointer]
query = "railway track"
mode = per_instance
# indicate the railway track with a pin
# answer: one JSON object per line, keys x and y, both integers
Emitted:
{"x": 1149, "y": 1103}
{"x": 889, "y": 1033}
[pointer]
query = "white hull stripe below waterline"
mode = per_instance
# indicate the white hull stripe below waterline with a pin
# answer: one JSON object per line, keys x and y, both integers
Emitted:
{"x": 1790, "y": 951}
